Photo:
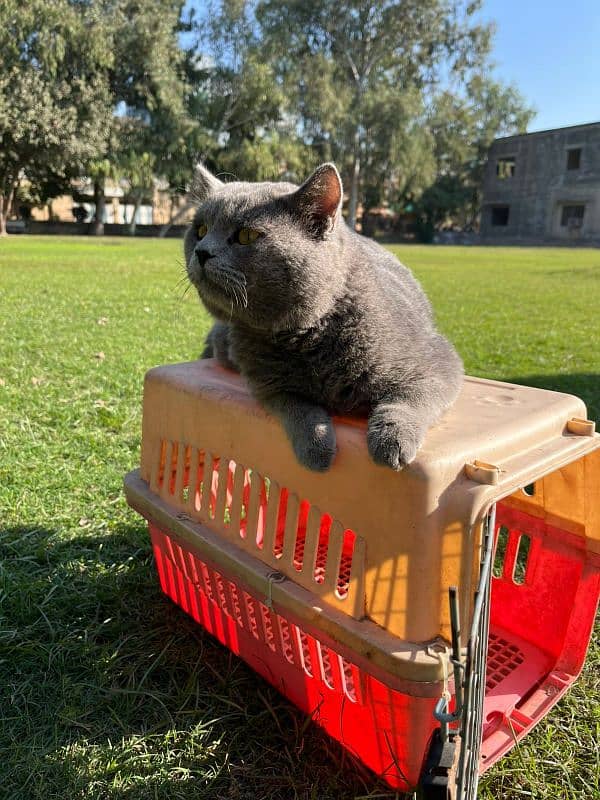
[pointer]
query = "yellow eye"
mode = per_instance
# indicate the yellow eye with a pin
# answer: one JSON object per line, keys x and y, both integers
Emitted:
{"x": 202, "y": 230}
{"x": 247, "y": 236}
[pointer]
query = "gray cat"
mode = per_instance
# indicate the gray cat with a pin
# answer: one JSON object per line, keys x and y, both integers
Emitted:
{"x": 318, "y": 319}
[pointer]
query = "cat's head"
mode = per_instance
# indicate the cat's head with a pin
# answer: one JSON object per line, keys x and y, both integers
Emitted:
{"x": 268, "y": 255}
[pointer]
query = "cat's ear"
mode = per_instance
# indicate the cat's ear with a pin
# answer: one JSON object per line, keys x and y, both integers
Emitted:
{"x": 204, "y": 183}
{"x": 319, "y": 200}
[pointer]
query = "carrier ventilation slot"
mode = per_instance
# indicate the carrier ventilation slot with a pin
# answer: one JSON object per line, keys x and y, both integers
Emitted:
{"x": 286, "y": 640}
{"x": 512, "y": 557}
{"x": 267, "y": 519}
{"x": 349, "y": 680}
{"x": 305, "y": 653}
{"x": 322, "y": 548}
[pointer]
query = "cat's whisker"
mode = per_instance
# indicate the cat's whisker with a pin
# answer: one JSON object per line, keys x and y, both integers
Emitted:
{"x": 234, "y": 273}
{"x": 240, "y": 297}
{"x": 237, "y": 292}
{"x": 233, "y": 282}
{"x": 241, "y": 294}
{"x": 184, "y": 283}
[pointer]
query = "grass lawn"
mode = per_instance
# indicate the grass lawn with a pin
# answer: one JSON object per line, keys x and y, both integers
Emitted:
{"x": 109, "y": 691}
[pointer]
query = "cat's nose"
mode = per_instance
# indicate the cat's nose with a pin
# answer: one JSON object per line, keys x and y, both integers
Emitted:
{"x": 203, "y": 255}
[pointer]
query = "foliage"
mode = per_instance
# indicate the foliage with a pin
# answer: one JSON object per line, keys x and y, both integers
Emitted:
{"x": 398, "y": 163}
{"x": 135, "y": 163}
{"x": 150, "y": 91}
{"x": 54, "y": 99}
{"x": 380, "y": 53}
{"x": 71, "y": 73}
{"x": 397, "y": 92}
{"x": 245, "y": 111}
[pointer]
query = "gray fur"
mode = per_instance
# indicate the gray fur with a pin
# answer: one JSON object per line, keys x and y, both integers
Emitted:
{"x": 318, "y": 319}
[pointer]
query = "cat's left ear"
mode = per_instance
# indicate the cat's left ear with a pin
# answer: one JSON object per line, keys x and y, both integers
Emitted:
{"x": 319, "y": 200}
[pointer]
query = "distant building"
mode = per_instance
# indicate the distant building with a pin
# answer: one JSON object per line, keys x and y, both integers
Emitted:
{"x": 158, "y": 208}
{"x": 544, "y": 187}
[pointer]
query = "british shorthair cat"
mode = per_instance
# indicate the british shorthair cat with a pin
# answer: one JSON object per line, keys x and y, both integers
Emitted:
{"x": 318, "y": 319}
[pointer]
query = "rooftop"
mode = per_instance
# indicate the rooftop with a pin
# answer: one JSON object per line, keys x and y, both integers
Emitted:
{"x": 549, "y": 130}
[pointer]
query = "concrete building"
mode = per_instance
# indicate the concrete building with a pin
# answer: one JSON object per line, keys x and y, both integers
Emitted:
{"x": 544, "y": 187}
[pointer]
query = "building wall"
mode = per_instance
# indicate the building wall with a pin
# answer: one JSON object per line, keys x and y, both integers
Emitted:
{"x": 62, "y": 209}
{"x": 164, "y": 207}
{"x": 543, "y": 196}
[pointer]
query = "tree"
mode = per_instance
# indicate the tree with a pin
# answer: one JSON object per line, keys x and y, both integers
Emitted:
{"x": 137, "y": 167}
{"x": 149, "y": 89}
{"x": 397, "y": 159}
{"x": 54, "y": 99}
{"x": 99, "y": 170}
{"x": 462, "y": 126}
{"x": 245, "y": 114}
{"x": 360, "y": 48}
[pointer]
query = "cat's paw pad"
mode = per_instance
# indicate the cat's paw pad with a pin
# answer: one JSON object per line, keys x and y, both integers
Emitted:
{"x": 316, "y": 448}
{"x": 391, "y": 444}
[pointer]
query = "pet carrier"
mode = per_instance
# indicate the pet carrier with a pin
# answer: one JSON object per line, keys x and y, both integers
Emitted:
{"x": 427, "y": 619}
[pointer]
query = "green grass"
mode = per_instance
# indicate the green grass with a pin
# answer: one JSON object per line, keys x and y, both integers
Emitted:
{"x": 108, "y": 690}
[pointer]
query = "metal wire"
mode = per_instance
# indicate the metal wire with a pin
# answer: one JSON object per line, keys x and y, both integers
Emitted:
{"x": 471, "y": 728}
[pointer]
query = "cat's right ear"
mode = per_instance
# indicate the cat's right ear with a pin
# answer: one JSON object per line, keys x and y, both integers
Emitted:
{"x": 204, "y": 183}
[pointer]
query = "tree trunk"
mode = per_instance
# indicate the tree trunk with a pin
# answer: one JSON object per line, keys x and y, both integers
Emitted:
{"x": 132, "y": 223}
{"x": 100, "y": 203}
{"x": 353, "y": 202}
{"x": 3, "y": 214}
{"x": 176, "y": 217}
{"x": 5, "y": 206}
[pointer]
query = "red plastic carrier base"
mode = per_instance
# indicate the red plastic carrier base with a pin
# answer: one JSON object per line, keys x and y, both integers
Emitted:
{"x": 539, "y": 631}
{"x": 366, "y": 716}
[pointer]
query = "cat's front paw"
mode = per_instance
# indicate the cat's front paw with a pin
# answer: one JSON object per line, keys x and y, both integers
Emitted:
{"x": 393, "y": 437}
{"x": 315, "y": 447}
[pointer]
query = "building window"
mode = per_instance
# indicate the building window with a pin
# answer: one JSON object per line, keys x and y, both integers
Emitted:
{"x": 500, "y": 215}
{"x": 505, "y": 168}
{"x": 572, "y": 216}
{"x": 574, "y": 158}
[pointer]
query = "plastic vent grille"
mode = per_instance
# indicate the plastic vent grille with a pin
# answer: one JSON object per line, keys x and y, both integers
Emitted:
{"x": 265, "y": 519}
{"x": 502, "y": 659}
{"x": 285, "y": 639}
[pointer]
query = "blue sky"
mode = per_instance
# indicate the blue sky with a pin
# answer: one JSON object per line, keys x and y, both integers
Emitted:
{"x": 551, "y": 52}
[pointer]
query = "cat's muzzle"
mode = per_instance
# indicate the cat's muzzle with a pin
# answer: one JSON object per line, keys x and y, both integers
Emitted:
{"x": 202, "y": 255}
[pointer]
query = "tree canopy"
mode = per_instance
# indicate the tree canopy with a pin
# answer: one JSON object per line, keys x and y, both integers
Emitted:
{"x": 55, "y": 106}
{"x": 398, "y": 92}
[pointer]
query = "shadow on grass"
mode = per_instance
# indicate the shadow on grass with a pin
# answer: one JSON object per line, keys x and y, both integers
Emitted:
{"x": 112, "y": 692}
{"x": 584, "y": 385}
